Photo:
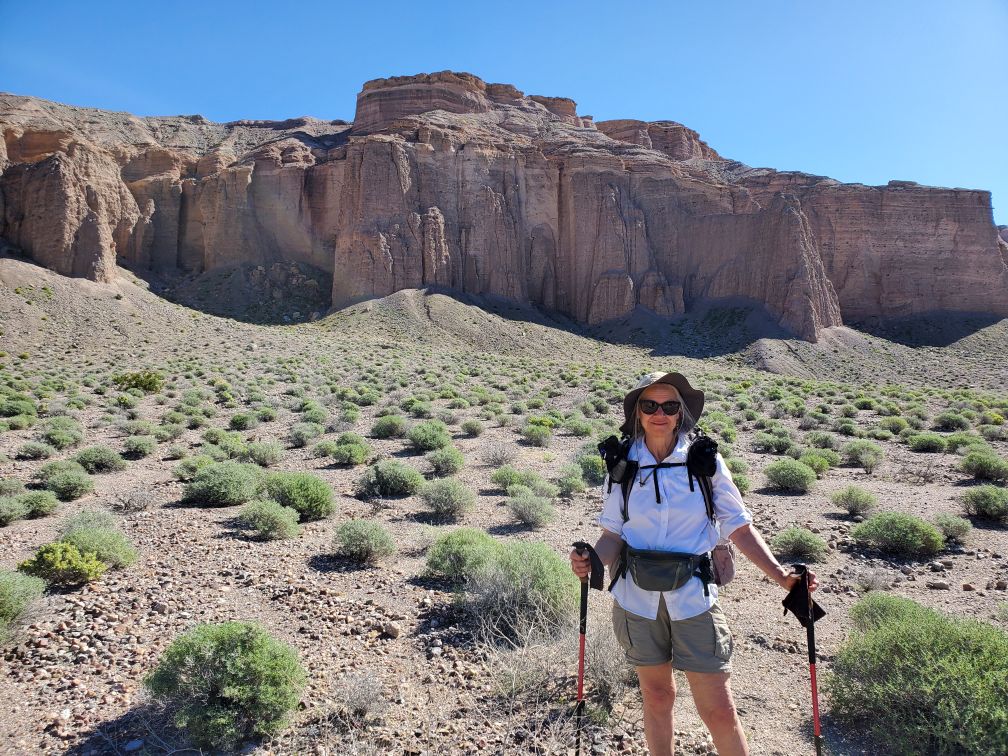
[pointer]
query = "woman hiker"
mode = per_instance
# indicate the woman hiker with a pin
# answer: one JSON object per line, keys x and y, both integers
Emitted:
{"x": 680, "y": 628}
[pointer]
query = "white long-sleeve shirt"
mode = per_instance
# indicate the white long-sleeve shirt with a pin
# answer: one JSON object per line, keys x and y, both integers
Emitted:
{"x": 679, "y": 523}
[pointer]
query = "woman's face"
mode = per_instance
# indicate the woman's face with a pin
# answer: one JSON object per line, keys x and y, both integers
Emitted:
{"x": 659, "y": 424}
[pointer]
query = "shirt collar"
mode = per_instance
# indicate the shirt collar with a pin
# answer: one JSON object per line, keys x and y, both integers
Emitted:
{"x": 643, "y": 455}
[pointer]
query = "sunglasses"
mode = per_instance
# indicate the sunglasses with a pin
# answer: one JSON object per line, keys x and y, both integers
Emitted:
{"x": 650, "y": 406}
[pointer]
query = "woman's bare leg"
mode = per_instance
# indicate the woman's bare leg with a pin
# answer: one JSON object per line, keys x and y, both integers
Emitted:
{"x": 658, "y": 691}
{"x": 713, "y": 698}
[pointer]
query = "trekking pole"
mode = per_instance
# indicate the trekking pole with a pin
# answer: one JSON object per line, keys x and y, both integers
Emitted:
{"x": 799, "y": 601}
{"x": 596, "y": 582}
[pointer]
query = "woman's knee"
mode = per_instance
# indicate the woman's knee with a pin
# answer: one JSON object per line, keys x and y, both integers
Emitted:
{"x": 658, "y": 690}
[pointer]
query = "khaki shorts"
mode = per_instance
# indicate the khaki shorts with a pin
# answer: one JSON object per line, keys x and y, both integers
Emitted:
{"x": 698, "y": 644}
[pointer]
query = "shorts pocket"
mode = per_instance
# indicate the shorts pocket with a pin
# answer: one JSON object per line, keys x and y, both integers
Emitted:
{"x": 723, "y": 641}
{"x": 621, "y": 627}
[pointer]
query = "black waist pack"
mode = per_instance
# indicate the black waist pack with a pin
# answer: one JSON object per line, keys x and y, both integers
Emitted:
{"x": 666, "y": 570}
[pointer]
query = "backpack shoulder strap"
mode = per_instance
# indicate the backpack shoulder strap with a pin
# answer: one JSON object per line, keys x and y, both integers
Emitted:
{"x": 625, "y": 484}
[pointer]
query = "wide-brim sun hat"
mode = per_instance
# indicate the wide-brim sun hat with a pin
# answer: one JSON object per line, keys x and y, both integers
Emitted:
{"x": 692, "y": 398}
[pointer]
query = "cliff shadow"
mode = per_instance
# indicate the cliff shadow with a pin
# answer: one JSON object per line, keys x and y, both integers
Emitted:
{"x": 271, "y": 294}
{"x": 935, "y": 328}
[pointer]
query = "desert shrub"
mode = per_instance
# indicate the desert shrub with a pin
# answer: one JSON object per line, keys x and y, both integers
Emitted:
{"x": 798, "y": 543}
{"x": 855, "y": 500}
{"x": 529, "y": 509}
{"x": 951, "y": 421}
{"x": 537, "y": 435}
{"x": 499, "y": 453}
{"x": 62, "y": 432}
{"x": 894, "y": 424}
{"x": 270, "y": 520}
{"x": 39, "y": 503}
{"x": 899, "y": 534}
{"x": 472, "y": 427}
{"x": 363, "y": 541}
{"x": 866, "y": 454}
{"x": 448, "y": 498}
{"x": 100, "y": 459}
{"x": 816, "y": 461}
{"x": 593, "y": 469}
{"x": 926, "y": 443}
{"x": 12, "y": 508}
{"x": 17, "y": 592}
{"x": 769, "y": 442}
{"x": 390, "y": 426}
{"x": 107, "y": 544}
{"x": 11, "y": 487}
{"x": 524, "y": 585}
{"x": 461, "y": 553}
{"x": 266, "y": 414}
{"x": 954, "y": 442}
{"x": 388, "y": 478}
{"x": 263, "y": 453}
{"x": 147, "y": 381}
{"x": 428, "y": 435}
{"x": 309, "y": 495}
{"x": 88, "y": 518}
{"x": 227, "y": 682}
{"x": 243, "y": 421}
{"x": 63, "y": 564}
{"x": 984, "y": 465}
{"x": 577, "y": 426}
{"x": 742, "y": 483}
{"x": 986, "y": 503}
{"x": 445, "y": 461}
{"x": 957, "y": 707}
{"x": 223, "y": 484}
{"x": 66, "y": 478}
{"x": 186, "y": 469}
{"x": 570, "y": 480}
{"x": 790, "y": 475}
{"x": 18, "y": 406}
{"x": 302, "y": 433}
{"x": 136, "y": 447}
{"x": 34, "y": 450}
{"x": 952, "y": 527}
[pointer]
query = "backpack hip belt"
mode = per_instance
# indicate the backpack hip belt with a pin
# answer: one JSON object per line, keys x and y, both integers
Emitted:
{"x": 662, "y": 570}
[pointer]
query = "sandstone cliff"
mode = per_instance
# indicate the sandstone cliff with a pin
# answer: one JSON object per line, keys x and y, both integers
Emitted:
{"x": 445, "y": 180}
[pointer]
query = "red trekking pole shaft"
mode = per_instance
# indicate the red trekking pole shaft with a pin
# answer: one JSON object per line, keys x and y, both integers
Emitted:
{"x": 810, "y": 632}
{"x": 583, "y": 624}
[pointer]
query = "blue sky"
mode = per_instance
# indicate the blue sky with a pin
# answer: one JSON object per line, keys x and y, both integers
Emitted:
{"x": 859, "y": 90}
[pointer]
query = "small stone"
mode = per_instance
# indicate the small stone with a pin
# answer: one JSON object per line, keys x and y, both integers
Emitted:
{"x": 392, "y": 630}
{"x": 1001, "y": 585}
{"x": 938, "y": 585}
{"x": 969, "y": 587}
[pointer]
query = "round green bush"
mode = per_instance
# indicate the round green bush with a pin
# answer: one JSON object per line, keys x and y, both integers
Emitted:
{"x": 899, "y": 534}
{"x": 69, "y": 484}
{"x": 957, "y": 707}
{"x": 524, "y": 585}
{"x": 243, "y": 421}
{"x": 855, "y": 500}
{"x": 952, "y": 527}
{"x": 986, "y": 503}
{"x": 955, "y": 442}
{"x": 866, "y": 454}
{"x": 186, "y": 469}
{"x": 302, "y": 433}
{"x": 309, "y": 495}
{"x": 270, "y": 520}
{"x": 790, "y": 475}
{"x": 63, "y": 564}
{"x": 363, "y": 541}
{"x": 459, "y": 554}
{"x": 816, "y": 461}
{"x": 593, "y": 469}
{"x": 34, "y": 450}
{"x": 388, "y": 478}
{"x": 742, "y": 483}
{"x": 223, "y": 484}
{"x": 390, "y": 426}
{"x": 984, "y": 465}
{"x": 798, "y": 544}
{"x": 445, "y": 461}
{"x": 428, "y": 435}
{"x": 39, "y": 503}
{"x": 100, "y": 459}
{"x": 107, "y": 544}
{"x": 537, "y": 435}
{"x": 926, "y": 443}
{"x": 822, "y": 440}
{"x": 448, "y": 498}
{"x": 472, "y": 427}
{"x": 263, "y": 453}
{"x": 228, "y": 682}
{"x": 529, "y": 509}
{"x": 570, "y": 481}
{"x": 12, "y": 508}
{"x": 137, "y": 447}
{"x": 62, "y": 432}
{"x": 17, "y": 592}
{"x": 951, "y": 421}
{"x": 11, "y": 487}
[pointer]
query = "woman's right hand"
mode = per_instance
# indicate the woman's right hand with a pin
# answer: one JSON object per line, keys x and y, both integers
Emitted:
{"x": 580, "y": 564}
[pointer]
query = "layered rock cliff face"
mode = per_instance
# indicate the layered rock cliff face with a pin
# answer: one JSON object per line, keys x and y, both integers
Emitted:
{"x": 445, "y": 180}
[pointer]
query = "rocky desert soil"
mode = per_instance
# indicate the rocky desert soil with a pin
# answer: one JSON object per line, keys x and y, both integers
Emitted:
{"x": 393, "y": 664}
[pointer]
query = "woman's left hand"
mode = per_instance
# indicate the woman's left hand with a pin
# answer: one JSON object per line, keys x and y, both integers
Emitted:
{"x": 792, "y": 579}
